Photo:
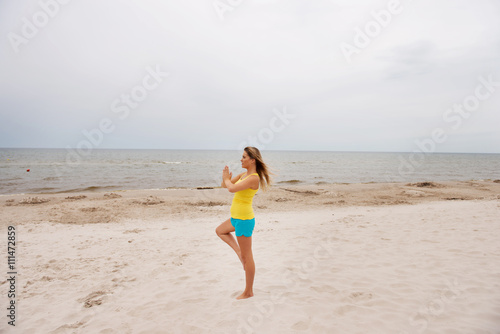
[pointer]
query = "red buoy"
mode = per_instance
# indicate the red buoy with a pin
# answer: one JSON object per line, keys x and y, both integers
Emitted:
{"x": 27, "y": 170}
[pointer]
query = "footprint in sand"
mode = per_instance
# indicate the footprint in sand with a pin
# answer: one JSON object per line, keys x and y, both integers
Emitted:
{"x": 180, "y": 260}
{"x": 360, "y": 297}
{"x": 94, "y": 298}
{"x": 301, "y": 325}
{"x": 136, "y": 230}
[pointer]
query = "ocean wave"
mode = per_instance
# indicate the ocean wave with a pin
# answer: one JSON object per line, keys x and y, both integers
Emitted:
{"x": 165, "y": 162}
{"x": 11, "y": 179}
{"x": 89, "y": 189}
{"x": 46, "y": 190}
{"x": 307, "y": 162}
{"x": 31, "y": 164}
{"x": 8, "y": 184}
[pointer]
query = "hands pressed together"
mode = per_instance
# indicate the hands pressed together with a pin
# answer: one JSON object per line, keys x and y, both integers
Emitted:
{"x": 226, "y": 175}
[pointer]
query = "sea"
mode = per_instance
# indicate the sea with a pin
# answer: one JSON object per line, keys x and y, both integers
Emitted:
{"x": 40, "y": 171}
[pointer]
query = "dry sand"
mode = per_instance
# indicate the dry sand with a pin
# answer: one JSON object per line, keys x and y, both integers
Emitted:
{"x": 357, "y": 258}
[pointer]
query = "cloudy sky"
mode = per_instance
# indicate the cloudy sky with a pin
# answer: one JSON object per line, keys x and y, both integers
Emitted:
{"x": 332, "y": 75}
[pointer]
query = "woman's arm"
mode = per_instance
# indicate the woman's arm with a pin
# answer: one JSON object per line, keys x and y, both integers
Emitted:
{"x": 250, "y": 182}
{"x": 233, "y": 180}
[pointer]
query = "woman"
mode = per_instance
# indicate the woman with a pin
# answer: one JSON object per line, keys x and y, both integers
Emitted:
{"x": 242, "y": 220}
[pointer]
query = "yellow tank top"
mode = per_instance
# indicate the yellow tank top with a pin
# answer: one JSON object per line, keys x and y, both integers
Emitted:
{"x": 241, "y": 208}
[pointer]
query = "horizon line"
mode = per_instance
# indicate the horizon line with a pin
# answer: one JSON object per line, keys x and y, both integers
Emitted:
{"x": 274, "y": 150}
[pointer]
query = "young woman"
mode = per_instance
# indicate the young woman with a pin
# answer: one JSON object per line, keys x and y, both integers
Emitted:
{"x": 242, "y": 221}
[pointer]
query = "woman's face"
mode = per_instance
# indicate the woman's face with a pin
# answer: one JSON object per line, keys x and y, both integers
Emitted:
{"x": 246, "y": 161}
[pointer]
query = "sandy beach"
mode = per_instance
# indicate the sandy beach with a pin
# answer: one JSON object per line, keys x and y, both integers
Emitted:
{"x": 330, "y": 258}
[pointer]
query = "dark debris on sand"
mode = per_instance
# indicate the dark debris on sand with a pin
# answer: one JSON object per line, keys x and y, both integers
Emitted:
{"x": 425, "y": 185}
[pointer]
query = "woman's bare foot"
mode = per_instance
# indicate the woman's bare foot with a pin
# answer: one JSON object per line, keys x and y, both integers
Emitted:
{"x": 245, "y": 295}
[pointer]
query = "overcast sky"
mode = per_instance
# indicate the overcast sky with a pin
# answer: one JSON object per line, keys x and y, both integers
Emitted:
{"x": 291, "y": 74}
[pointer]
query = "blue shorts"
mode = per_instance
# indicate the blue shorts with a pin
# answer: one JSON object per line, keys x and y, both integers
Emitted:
{"x": 243, "y": 226}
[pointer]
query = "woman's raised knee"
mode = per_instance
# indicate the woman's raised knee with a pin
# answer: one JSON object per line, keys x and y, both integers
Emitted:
{"x": 219, "y": 231}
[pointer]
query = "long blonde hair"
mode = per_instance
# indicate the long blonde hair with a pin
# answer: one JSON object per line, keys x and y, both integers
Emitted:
{"x": 260, "y": 166}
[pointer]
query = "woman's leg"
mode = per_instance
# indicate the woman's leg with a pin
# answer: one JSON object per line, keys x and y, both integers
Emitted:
{"x": 249, "y": 265}
{"x": 224, "y": 232}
